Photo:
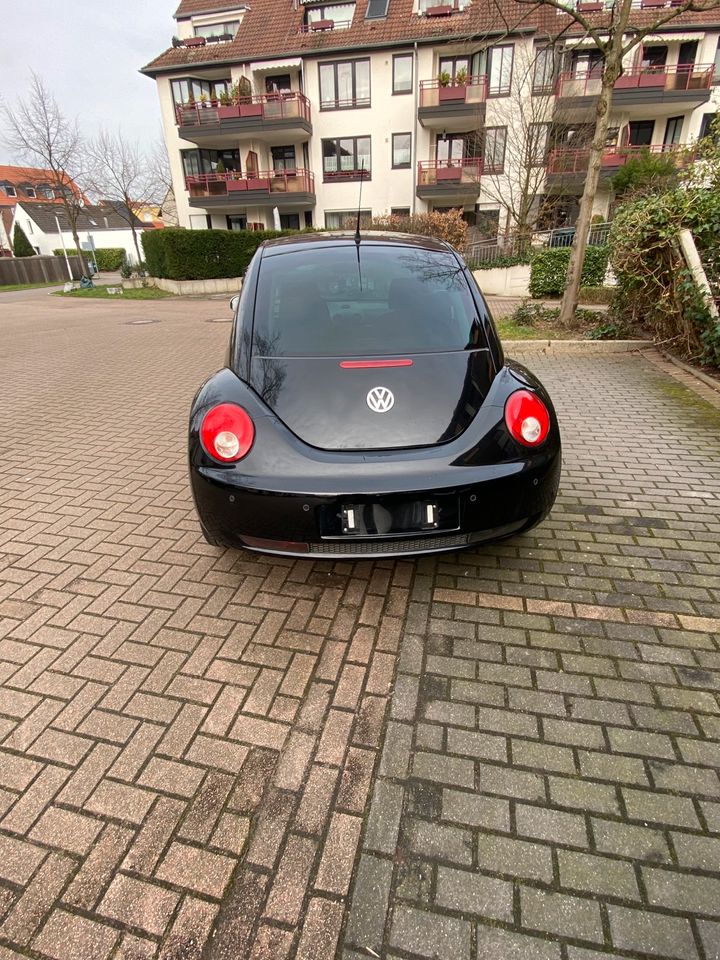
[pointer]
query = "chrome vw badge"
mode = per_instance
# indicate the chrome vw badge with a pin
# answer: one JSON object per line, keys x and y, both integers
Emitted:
{"x": 380, "y": 400}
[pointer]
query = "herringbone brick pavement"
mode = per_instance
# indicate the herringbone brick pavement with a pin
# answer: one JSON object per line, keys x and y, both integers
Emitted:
{"x": 505, "y": 753}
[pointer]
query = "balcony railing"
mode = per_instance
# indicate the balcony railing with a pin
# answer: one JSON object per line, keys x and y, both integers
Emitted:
{"x": 434, "y": 94}
{"x": 233, "y": 184}
{"x": 322, "y": 26}
{"x": 575, "y": 160}
{"x": 431, "y": 172}
{"x": 683, "y": 76}
{"x": 285, "y": 105}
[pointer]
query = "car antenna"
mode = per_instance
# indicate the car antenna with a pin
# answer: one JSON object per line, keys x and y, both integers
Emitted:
{"x": 357, "y": 225}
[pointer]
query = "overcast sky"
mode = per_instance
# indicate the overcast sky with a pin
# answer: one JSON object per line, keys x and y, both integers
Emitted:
{"x": 89, "y": 54}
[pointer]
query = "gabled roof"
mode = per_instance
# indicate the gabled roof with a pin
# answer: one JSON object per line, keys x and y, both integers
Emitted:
{"x": 271, "y": 28}
{"x": 20, "y": 177}
{"x": 91, "y": 218}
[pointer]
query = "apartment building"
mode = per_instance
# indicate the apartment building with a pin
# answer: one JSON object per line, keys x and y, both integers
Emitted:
{"x": 289, "y": 106}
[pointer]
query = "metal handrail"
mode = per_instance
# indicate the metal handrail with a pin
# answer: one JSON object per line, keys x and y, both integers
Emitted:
{"x": 297, "y": 180}
{"x": 283, "y": 105}
{"x": 575, "y": 159}
{"x": 681, "y": 76}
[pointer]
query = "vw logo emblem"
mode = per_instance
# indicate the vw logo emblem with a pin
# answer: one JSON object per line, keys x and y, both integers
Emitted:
{"x": 380, "y": 400}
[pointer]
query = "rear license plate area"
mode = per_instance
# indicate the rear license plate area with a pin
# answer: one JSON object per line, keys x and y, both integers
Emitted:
{"x": 389, "y": 516}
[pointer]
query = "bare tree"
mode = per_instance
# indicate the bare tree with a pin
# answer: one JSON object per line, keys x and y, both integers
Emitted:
{"x": 163, "y": 183}
{"x": 518, "y": 185}
{"x": 122, "y": 177}
{"x": 615, "y": 36}
{"x": 40, "y": 134}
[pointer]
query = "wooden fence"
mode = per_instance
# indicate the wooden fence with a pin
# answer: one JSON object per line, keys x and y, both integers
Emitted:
{"x": 39, "y": 269}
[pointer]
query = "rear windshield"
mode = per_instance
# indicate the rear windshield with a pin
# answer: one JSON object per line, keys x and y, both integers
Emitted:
{"x": 367, "y": 301}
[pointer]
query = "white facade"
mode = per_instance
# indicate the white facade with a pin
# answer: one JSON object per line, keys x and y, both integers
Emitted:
{"x": 387, "y": 188}
{"x": 45, "y": 242}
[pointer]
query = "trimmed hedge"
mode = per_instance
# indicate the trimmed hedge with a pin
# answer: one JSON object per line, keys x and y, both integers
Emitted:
{"x": 109, "y": 258}
{"x": 177, "y": 254}
{"x": 549, "y": 268}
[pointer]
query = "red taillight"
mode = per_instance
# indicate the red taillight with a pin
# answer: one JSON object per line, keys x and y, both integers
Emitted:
{"x": 527, "y": 418}
{"x": 227, "y": 433}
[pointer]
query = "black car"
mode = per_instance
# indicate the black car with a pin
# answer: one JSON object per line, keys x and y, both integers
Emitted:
{"x": 366, "y": 408}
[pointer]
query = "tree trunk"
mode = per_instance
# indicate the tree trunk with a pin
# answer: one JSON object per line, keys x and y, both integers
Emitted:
{"x": 613, "y": 69}
{"x": 135, "y": 241}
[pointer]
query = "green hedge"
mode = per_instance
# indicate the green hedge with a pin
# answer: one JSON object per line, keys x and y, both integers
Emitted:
{"x": 177, "y": 254}
{"x": 549, "y": 268}
{"x": 109, "y": 258}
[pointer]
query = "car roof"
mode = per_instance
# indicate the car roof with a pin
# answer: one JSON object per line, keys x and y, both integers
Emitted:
{"x": 325, "y": 238}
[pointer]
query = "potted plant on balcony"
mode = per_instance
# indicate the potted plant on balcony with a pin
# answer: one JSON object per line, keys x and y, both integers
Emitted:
{"x": 453, "y": 171}
{"x": 227, "y": 110}
{"x": 448, "y": 89}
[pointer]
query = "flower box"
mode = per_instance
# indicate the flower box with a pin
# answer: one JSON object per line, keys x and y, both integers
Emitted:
{"x": 258, "y": 183}
{"x": 449, "y": 173}
{"x": 590, "y": 6}
{"x": 229, "y": 112}
{"x": 441, "y": 10}
{"x": 453, "y": 94}
{"x": 625, "y": 82}
{"x": 251, "y": 109}
{"x": 651, "y": 80}
{"x": 235, "y": 186}
{"x": 322, "y": 25}
{"x": 195, "y": 42}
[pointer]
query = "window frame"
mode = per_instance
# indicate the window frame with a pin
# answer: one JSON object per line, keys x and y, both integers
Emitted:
{"x": 501, "y": 92}
{"x": 545, "y": 89}
{"x": 30, "y": 192}
{"x": 323, "y": 6}
{"x": 534, "y": 159}
{"x": 208, "y": 87}
{"x": 411, "y": 58}
{"x": 336, "y": 104}
{"x": 347, "y": 214}
{"x": 400, "y": 166}
{"x": 377, "y": 16}
{"x": 209, "y": 26}
{"x": 399, "y": 211}
{"x": 10, "y": 190}
{"x": 346, "y": 176}
{"x": 286, "y": 147}
{"x": 494, "y": 168}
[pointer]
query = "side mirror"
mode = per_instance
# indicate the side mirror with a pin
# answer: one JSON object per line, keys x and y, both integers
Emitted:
{"x": 234, "y": 303}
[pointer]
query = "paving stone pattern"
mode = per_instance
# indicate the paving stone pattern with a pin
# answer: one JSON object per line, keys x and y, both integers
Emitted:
{"x": 505, "y": 754}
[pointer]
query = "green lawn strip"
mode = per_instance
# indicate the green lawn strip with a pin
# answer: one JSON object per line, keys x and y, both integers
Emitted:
{"x": 509, "y": 330}
{"x": 95, "y": 293}
{"x": 12, "y": 287}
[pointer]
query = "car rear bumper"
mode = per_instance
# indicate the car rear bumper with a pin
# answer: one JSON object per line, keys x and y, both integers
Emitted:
{"x": 492, "y": 502}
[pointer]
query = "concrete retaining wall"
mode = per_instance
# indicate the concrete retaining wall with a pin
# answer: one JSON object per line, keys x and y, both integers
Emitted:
{"x": 229, "y": 285}
{"x": 505, "y": 281}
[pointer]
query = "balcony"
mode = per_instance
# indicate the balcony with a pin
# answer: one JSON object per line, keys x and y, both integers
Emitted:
{"x": 567, "y": 166}
{"x": 272, "y": 116}
{"x": 452, "y": 106}
{"x": 266, "y": 188}
{"x": 658, "y": 88}
{"x": 449, "y": 179}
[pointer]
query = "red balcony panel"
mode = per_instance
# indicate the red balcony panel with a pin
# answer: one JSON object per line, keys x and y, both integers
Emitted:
{"x": 567, "y": 160}
{"x": 433, "y": 93}
{"x": 265, "y": 181}
{"x": 284, "y": 105}
{"x": 468, "y": 170}
{"x": 682, "y": 76}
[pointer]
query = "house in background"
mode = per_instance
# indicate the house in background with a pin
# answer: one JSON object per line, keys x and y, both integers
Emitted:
{"x": 100, "y": 225}
{"x": 290, "y": 103}
{"x": 26, "y": 184}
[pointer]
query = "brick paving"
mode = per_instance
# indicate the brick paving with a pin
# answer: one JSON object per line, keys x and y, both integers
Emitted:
{"x": 506, "y": 753}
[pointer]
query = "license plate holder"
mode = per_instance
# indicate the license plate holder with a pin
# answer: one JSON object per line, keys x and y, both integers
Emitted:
{"x": 389, "y": 517}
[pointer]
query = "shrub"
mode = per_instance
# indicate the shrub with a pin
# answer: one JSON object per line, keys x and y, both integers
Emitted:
{"x": 21, "y": 245}
{"x": 596, "y": 295}
{"x": 178, "y": 254}
{"x": 655, "y": 288}
{"x": 448, "y": 226}
{"x": 507, "y": 261}
{"x": 549, "y": 268}
{"x": 530, "y": 314}
{"x": 647, "y": 172}
{"x": 109, "y": 258}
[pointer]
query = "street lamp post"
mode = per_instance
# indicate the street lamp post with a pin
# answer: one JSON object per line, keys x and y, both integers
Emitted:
{"x": 62, "y": 241}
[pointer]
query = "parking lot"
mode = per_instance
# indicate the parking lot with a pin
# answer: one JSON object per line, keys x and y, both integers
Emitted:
{"x": 505, "y": 754}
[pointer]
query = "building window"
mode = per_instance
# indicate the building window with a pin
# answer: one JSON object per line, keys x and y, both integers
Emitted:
{"x": 424, "y": 5}
{"x": 500, "y": 64}
{"x": 458, "y": 146}
{"x": 344, "y": 84}
{"x": 673, "y": 131}
{"x": 544, "y": 70}
{"x": 30, "y": 191}
{"x": 705, "y": 124}
{"x": 402, "y": 73}
{"x": 29, "y": 227}
{"x": 346, "y": 219}
{"x": 400, "y": 211}
{"x": 289, "y": 221}
{"x": 225, "y": 30}
{"x": 537, "y": 143}
{"x": 189, "y": 90}
{"x": 717, "y": 64}
{"x": 9, "y": 189}
{"x": 454, "y": 65}
{"x": 340, "y": 15}
{"x": 197, "y": 162}
{"x": 401, "y": 143}
{"x": 47, "y": 192}
{"x": 494, "y": 153}
{"x": 237, "y": 223}
{"x": 278, "y": 82}
{"x": 283, "y": 158}
{"x": 346, "y": 158}
{"x": 376, "y": 9}
{"x": 641, "y": 132}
